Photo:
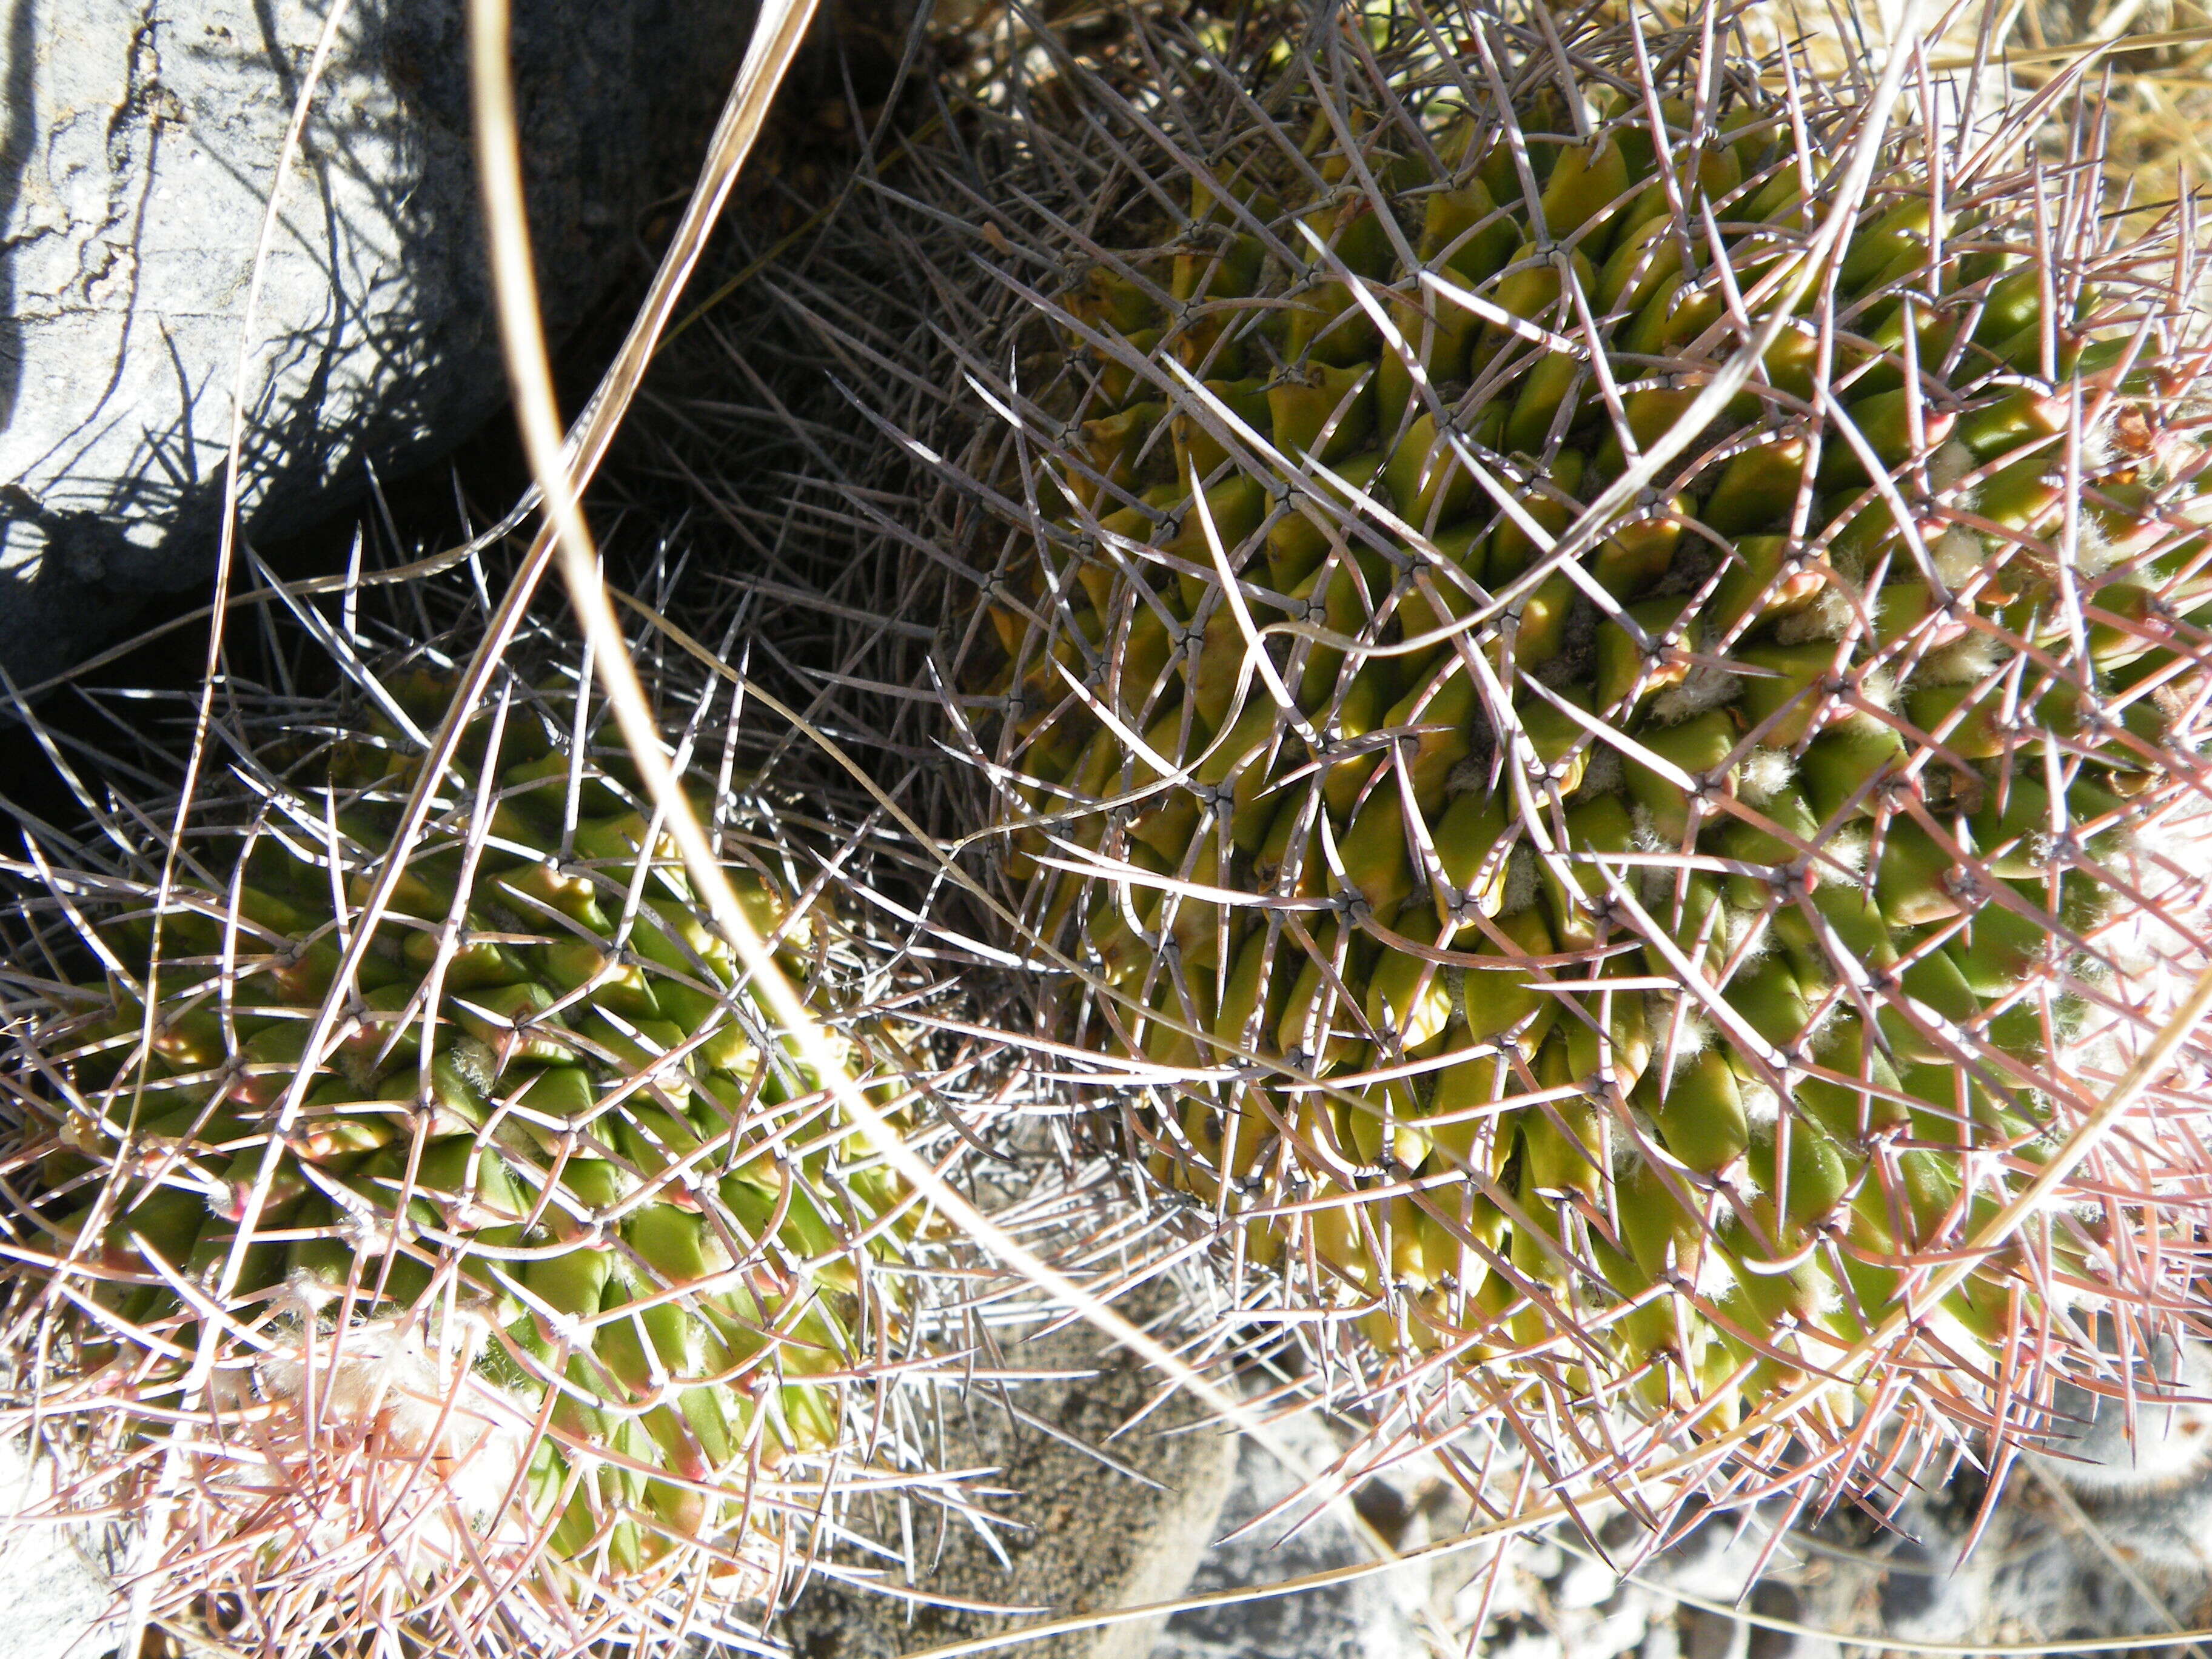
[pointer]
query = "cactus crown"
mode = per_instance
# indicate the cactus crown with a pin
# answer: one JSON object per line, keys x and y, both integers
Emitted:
{"x": 1605, "y": 931}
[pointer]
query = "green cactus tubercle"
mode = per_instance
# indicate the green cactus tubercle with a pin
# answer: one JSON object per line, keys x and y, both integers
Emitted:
{"x": 547, "y": 1095}
{"x": 1660, "y": 925}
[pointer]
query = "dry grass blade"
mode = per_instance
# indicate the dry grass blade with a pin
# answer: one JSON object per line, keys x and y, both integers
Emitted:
{"x": 532, "y": 380}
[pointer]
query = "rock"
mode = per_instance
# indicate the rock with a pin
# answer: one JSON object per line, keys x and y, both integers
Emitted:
{"x": 2099, "y": 1446}
{"x": 1368, "y": 1618}
{"x": 1537, "y": 1557}
{"x": 138, "y": 148}
{"x": 2126, "y": 1563}
{"x": 60, "y": 1598}
{"x": 1623, "y": 1626}
{"x": 2046, "y": 1566}
{"x": 1520, "y": 1638}
{"x": 1709, "y": 1635}
{"x": 1586, "y": 1581}
{"x": 1772, "y": 1599}
{"x": 1078, "y": 1536}
{"x": 2168, "y": 1532}
{"x": 1926, "y": 1592}
{"x": 1718, "y": 1557}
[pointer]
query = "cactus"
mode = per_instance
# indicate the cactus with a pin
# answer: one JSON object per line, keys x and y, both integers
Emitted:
{"x": 1598, "y": 910}
{"x": 508, "y": 1272}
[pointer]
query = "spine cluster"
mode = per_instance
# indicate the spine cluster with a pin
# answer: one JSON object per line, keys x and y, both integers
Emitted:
{"x": 1615, "y": 955}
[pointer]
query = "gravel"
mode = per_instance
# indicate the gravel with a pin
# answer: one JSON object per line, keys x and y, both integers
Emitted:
{"x": 2068, "y": 1553}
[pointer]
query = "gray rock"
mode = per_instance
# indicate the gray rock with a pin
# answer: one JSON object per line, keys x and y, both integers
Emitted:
{"x": 2130, "y": 1563}
{"x": 1625, "y": 1626}
{"x": 1709, "y": 1635}
{"x": 2073, "y": 1574}
{"x": 1586, "y": 1581}
{"x": 1718, "y": 1558}
{"x": 138, "y": 143}
{"x": 1077, "y": 1535}
{"x": 59, "y": 1598}
{"x": 1927, "y": 1593}
{"x": 2101, "y": 1447}
{"x": 2168, "y": 1532}
{"x": 1773, "y": 1599}
{"x": 1521, "y": 1637}
{"x": 1367, "y": 1617}
{"x": 1539, "y": 1557}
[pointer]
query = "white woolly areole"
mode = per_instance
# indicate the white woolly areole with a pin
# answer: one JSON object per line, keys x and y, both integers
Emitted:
{"x": 1691, "y": 1037}
{"x": 1704, "y": 687}
{"x": 1742, "y": 929}
{"x": 1716, "y": 1279}
{"x": 1953, "y": 462}
{"x": 1848, "y": 849}
{"x": 1765, "y": 773}
{"x": 1830, "y": 615}
{"x": 1958, "y": 555}
{"x": 1622, "y": 1155}
{"x": 1963, "y": 662}
{"x": 430, "y": 1440}
{"x": 2092, "y": 548}
{"x": 2098, "y": 446}
{"x": 1762, "y": 1106}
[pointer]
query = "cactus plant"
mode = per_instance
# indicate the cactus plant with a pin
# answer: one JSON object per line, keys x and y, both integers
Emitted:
{"x": 1599, "y": 903}
{"x": 501, "y": 1271}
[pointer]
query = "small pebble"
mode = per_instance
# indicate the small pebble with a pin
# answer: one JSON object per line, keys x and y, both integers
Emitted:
{"x": 1924, "y": 1597}
{"x": 1712, "y": 1635}
{"x": 1583, "y": 1582}
{"x": 1522, "y": 1638}
{"x": 1622, "y": 1631}
{"x": 1774, "y": 1600}
{"x": 1540, "y": 1558}
{"x": 2099, "y": 1446}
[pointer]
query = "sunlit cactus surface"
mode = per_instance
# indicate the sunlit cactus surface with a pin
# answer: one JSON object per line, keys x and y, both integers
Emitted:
{"x": 416, "y": 1221}
{"x": 1588, "y": 660}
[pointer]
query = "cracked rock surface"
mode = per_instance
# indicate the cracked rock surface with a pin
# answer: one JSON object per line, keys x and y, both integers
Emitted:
{"x": 138, "y": 143}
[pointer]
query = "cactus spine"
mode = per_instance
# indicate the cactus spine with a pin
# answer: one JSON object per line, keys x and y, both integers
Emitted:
{"x": 1609, "y": 961}
{"x": 545, "y": 1294}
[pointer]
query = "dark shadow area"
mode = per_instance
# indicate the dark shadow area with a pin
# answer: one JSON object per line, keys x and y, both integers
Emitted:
{"x": 418, "y": 510}
{"x": 377, "y": 350}
{"x": 413, "y": 516}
